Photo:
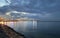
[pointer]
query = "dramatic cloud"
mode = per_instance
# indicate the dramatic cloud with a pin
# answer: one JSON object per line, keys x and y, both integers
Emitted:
{"x": 33, "y": 8}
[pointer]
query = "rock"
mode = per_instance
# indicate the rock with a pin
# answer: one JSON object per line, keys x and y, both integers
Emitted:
{"x": 7, "y": 32}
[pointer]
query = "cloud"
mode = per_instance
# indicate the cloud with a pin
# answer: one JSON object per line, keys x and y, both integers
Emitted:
{"x": 33, "y": 8}
{"x": 16, "y": 14}
{"x": 4, "y": 3}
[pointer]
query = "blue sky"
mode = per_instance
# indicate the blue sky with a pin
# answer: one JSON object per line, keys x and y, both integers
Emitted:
{"x": 37, "y": 9}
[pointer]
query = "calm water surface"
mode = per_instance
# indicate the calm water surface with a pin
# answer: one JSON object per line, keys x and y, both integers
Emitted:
{"x": 43, "y": 30}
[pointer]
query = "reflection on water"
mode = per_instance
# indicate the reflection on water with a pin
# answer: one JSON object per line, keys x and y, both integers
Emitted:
{"x": 24, "y": 26}
{"x": 37, "y": 29}
{"x": 27, "y": 28}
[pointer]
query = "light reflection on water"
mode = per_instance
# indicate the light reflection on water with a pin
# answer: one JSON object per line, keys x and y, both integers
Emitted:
{"x": 25, "y": 26}
{"x": 40, "y": 29}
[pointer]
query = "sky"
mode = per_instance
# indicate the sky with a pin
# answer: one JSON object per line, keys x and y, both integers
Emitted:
{"x": 37, "y": 9}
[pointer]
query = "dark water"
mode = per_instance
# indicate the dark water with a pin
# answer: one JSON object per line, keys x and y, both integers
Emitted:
{"x": 44, "y": 30}
{"x": 48, "y": 30}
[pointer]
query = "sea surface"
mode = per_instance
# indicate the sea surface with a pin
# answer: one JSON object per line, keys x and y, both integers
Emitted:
{"x": 38, "y": 29}
{"x": 48, "y": 30}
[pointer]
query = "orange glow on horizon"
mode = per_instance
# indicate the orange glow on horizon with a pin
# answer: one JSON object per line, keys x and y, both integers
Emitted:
{"x": 1, "y": 22}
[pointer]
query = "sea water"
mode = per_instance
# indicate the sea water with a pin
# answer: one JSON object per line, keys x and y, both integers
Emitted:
{"x": 48, "y": 30}
{"x": 37, "y": 29}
